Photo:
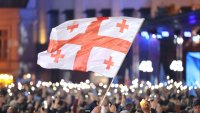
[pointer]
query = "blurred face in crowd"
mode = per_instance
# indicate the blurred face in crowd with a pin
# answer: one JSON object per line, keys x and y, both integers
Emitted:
{"x": 1, "y": 100}
{"x": 129, "y": 107}
{"x": 196, "y": 109}
{"x": 30, "y": 97}
{"x": 21, "y": 99}
{"x": 10, "y": 110}
{"x": 68, "y": 99}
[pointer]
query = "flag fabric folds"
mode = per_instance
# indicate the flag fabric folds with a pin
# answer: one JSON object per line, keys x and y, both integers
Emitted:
{"x": 92, "y": 44}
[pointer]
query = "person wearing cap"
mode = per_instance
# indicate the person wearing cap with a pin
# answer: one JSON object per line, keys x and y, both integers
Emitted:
{"x": 196, "y": 106}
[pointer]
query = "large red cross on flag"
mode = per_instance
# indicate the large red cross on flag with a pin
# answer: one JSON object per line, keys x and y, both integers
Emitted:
{"x": 92, "y": 44}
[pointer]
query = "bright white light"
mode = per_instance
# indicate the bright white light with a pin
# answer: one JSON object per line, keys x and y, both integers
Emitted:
{"x": 179, "y": 40}
{"x": 108, "y": 93}
{"x": 8, "y": 90}
{"x": 161, "y": 85}
{"x": 196, "y": 38}
{"x": 175, "y": 36}
{"x": 145, "y": 34}
{"x": 45, "y": 104}
{"x": 31, "y": 83}
{"x": 101, "y": 84}
{"x": 104, "y": 86}
{"x": 165, "y": 33}
{"x": 153, "y": 35}
{"x": 135, "y": 81}
{"x": 87, "y": 81}
{"x": 66, "y": 89}
{"x": 146, "y": 66}
{"x": 62, "y": 82}
{"x": 39, "y": 82}
{"x": 20, "y": 86}
{"x": 116, "y": 85}
{"x": 141, "y": 85}
{"x": 132, "y": 90}
{"x": 167, "y": 77}
{"x": 156, "y": 86}
{"x": 54, "y": 88}
{"x": 57, "y": 84}
{"x": 112, "y": 85}
{"x": 171, "y": 80}
{"x": 176, "y": 65}
{"x": 27, "y": 76}
{"x": 10, "y": 94}
{"x": 115, "y": 90}
{"x": 187, "y": 34}
{"x": 148, "y": 83}
{"x": 33, "y": 88}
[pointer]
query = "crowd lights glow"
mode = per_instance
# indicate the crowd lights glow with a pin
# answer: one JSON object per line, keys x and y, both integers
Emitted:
{"x": 20, "y": 87}
{"x": 87, "y": 81}
{"x": 168, "y": 78}
{"x": 27, "y": 76}
{"x": 137, "y": 86}
{"x": 33, "y": 88}
{"x": 100, "y": 84}
{"x": 112, "y": 85}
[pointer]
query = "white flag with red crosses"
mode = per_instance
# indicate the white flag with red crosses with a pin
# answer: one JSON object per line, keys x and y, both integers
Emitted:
{"x": 92, "y": 44}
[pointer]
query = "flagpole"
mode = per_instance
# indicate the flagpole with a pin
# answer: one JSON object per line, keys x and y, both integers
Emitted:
{"x": 107, "y": 91}
{"x": 118, "y": 70}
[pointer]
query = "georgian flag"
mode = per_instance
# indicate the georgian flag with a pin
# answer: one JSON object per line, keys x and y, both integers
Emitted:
{"x": 93, "y": 44}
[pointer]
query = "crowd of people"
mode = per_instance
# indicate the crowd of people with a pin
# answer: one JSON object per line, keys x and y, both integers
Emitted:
{"x": 86, "y": 97}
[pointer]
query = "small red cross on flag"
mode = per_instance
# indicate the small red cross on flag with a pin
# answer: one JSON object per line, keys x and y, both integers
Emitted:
{"x": 122, "y": 26}
{"x": 72, "y": 27}
{"x": 109, "y": 63}
{"x": 98, "y": 44}
{"x": 57, "y": 56}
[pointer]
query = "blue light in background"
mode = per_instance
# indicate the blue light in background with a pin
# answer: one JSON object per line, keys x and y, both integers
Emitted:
{"x": 153, "y": 35}
{"x": 192, "y": 19}
{"x": 165, "y": 34}
{"x": 159, "y": 36}
{"x": 193, "y": 68}
{"x": 145, "y": 34}
{"x": 187, "y": 34}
